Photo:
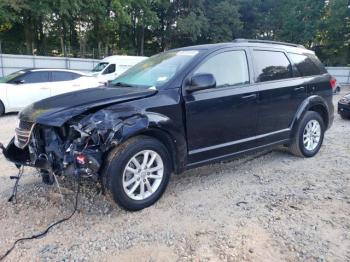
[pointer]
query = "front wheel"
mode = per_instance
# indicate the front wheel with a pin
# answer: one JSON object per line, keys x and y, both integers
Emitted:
{"x": 309, "y": 135}
{"x": 137, "y": 172}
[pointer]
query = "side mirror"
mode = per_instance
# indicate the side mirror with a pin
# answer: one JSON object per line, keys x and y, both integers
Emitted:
{"x": 18, "y": 82}
{"x": 201, "y": 82}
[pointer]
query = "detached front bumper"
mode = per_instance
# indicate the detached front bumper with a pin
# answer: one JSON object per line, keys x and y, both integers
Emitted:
{"x": 21, "y": 157}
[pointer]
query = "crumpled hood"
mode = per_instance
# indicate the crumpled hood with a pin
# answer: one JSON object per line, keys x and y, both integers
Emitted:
{"x": 57, "y": 110}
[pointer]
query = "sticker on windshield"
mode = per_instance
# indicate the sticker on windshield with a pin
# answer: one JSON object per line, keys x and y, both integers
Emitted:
{"x": 187, "y": 53}
{"x": 162, "y": 78}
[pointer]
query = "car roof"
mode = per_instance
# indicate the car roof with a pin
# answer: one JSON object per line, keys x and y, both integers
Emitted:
{"x": 288, "y": 47}
{"x": 53, "y": 69}
{"x": 122, "y": 57}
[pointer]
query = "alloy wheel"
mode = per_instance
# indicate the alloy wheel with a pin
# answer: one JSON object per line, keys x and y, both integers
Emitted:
{"x": 143, "y": 175}
{"x": 312, "y": 135}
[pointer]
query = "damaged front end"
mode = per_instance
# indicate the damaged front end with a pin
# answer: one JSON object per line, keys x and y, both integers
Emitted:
{"x": 78, "y": 146}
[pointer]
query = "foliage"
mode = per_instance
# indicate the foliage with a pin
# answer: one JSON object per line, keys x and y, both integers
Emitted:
{"x": 84, "y": 28}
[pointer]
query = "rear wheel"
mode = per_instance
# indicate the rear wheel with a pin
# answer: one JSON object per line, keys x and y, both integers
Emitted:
{"x": 309, "y": 135}
{"x": 2, "y": 108}
{"x": 137, "y": 172}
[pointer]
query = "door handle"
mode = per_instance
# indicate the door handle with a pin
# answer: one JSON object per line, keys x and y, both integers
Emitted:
{"x": 249, "y": 97}
{"x": 44, "y": 88}
{"x": 299, "y": 88}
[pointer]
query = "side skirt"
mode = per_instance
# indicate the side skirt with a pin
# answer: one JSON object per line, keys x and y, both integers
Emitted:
{"x": 235, "y": 154}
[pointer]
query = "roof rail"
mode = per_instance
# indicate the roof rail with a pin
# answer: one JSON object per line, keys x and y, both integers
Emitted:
{"x": 242, "y": 40}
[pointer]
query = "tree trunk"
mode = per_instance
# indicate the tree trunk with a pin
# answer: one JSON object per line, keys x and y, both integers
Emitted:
{"x": 28, "y": 35}
{"x": 99, "y": 49}
{"x": 134, "y": 32}
{"x": 63, "y": 49}
{"x": 142, "y": 42}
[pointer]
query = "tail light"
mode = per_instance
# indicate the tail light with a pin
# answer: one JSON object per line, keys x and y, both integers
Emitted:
{"x": 333, "y": 83}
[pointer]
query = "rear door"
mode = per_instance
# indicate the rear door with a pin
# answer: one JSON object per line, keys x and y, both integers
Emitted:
{"x": 64, "y": 82}
{"x": 30, "y": 87}
{"x": 219, "y": 120}
{"x": 281, "y": 91}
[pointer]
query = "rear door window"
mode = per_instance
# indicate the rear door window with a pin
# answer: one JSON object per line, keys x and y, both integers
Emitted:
{"x": 229, "y": 68}
{"x": 271, "y": 65}
{"x": 61, "y": 76}
{"x": 58, "y": 76}
{"x": 305, "y": 65}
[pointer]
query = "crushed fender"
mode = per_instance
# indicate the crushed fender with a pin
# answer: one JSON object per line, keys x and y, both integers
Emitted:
{"x": 80, "y": 145}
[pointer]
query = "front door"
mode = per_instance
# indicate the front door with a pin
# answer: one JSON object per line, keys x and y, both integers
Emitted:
{"x": 221, "y": 120}
{"x": 109, "y": 73}
{"x": 29, "y": 88}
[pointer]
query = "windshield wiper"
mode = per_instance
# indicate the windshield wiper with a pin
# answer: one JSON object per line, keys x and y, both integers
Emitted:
{"x": 122, "y": 84}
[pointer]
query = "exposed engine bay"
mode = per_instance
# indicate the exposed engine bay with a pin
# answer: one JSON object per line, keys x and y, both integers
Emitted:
{"x": 79, "y": 146}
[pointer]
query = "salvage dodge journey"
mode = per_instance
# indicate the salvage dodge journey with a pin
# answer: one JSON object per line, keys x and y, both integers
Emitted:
{"x": 178, "y": 110}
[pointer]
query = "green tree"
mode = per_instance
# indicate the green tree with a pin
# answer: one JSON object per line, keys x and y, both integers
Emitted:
{"x": 334, "y": 34}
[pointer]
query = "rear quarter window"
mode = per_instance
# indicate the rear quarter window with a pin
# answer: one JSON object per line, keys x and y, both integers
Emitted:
{"x": 318, "y": 63}
{"x": 271, "y": 65}
{"x": 306, "y": 66}
{"x": 75, "y": 76}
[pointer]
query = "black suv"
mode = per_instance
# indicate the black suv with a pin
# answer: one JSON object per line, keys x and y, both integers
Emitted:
{"x": 178, "y": 110}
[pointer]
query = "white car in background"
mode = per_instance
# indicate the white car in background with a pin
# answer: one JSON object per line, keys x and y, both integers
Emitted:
{"x": 24, "y": 87}
{"x": 113, "y": 66}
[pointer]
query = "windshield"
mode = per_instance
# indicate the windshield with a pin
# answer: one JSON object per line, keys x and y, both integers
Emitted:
{"x": 155, "y": 71}
{"x": 12, "y": 76}
{"x": 100, "y": 66}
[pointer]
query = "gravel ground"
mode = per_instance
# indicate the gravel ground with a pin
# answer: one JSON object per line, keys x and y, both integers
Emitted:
{"x": 269, "y": 206}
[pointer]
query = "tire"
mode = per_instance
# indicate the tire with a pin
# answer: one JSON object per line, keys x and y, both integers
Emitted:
{"x": 116, "y": 172}
{"x": 298, "y": 147}
{"x": 2, "y": 108}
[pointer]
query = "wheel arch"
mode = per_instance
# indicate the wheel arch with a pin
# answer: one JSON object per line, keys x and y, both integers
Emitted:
{"x": 129, "y": 122}
{"x": 312, "y": 103}
{"x": 322, "y": 110}
{"x": 2, "y": 105}
{"x": 177, "y": 163}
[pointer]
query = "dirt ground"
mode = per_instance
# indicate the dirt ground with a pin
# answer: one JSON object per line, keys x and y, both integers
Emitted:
{"x": 269, "y": 206}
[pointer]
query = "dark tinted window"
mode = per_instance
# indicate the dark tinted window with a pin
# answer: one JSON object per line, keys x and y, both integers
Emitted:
{"x": 228, "y": 68}
{"x": 110, "y": 69}
{"x": 61, "y": 76}
{"x": 35, "y": 77}
{"x": 271, "y": 65}
{"x": 75, "y": 75}
{"x": 304, "y": 65}
{"x": 318, "y": 63}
